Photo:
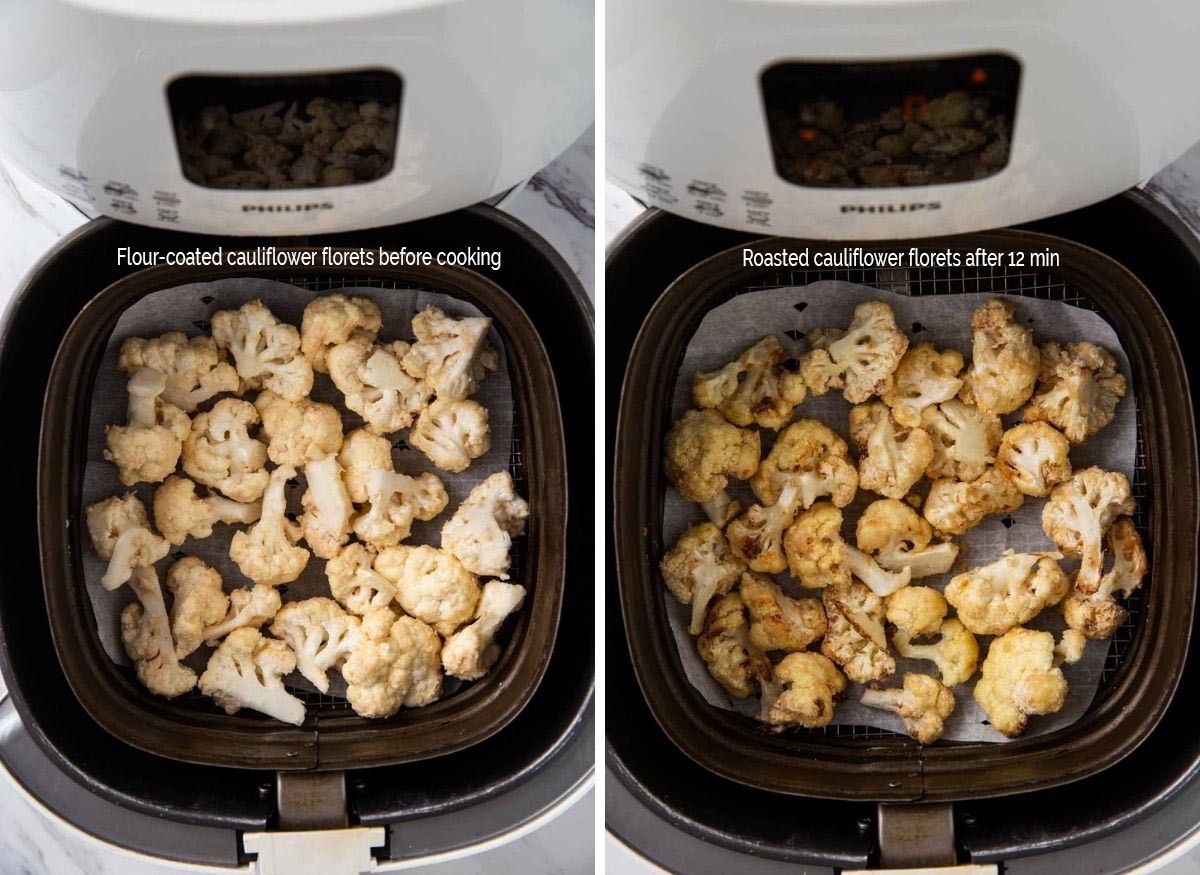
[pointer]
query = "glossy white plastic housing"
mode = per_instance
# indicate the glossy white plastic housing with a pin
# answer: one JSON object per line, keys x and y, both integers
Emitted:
{"x": 1106, "y": 99}
{"x": 493, "y": 90}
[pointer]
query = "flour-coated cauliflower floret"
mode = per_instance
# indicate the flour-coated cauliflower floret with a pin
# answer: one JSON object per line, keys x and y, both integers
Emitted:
{"x": 809, "y": 455}
{"x": 452, "y": 433}
{"x": 321, "y": 635}
{"x": 481, "y": 531}
{"x": 816, "y": 553}
{"x": 916, "y": 610}
{"x": 266, "y": 351}
{"x": 1019, "y": 678}
{"x": 1007, "y": 593}
{"x": 1078, "y": 514}
{"x": 861, "y": 360}
{"x": 146, "y": 634}
{"x": 121, "y": 535}
{"x": 956, "y": 652}
{"x": 803, "y": 691}
{"x": 896, "y": 536}
{"x": 327, "y": 507}
{"x": 194, "y": 370}
{"x": 925, "y": 377}
{"x": 1098, "y": 615}
{"x": 180, "y": 513}
{"x": 1005, "y": 360}
{"x": 374, "y": 384}
{"x": 754, "y": 389}
{"x": 397, "y": 661}
{"x": 355, "y": 583}
{"x": 146, "y": 449}
{"x": 362, "y": 452}
{"x": 954, "y": 506}
{"x": 220, "y": 453}
{"x": 964, "y": 439}
{"x": 472, "y": 650}
{"x": 247, "y": 671}
{"x": 1078, "y": 389}
{"x": 267, "y": 552}
{"x": 854, "y": 636}
{"x": 923, "y": 703}
{"x": 431, "y": 585}
{"x": 756, "y": 536}
{"x": 700, "y": 567}
{"x": 778, "y": 621}
{"x": 1070, "y": 647}
{"x": 395, "y": 501}
{"x": 725, "y": 647}
{"x": 1033, "y": 455}
{"x": 891, "y": 458}
{"x": 703, "y": 451}
{"x": 199, "y": 602}
{"x": 249, "y": 608}
{"x": 299, "y": 431}
{"x": 334, "y": 319}
{"x": 451, "y": 355}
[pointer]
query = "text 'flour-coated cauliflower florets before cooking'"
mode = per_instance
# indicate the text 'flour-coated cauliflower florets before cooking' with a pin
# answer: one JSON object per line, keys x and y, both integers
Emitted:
{"x": 923, "y": 703}
{"x": 1097, "y": 615}
{"x": 452, "y": 434}
{"x": 861, "y": 360}
{"x": 698, "y": 568}
{"x": 925, "y": 377}
{"x": 266, "y": 351}
{"x": 956, "y": 652}
{"x": 267, "y": 552}
{"x": 855, "y": 638}
{"x": 964, "y": 439}
{"x": 193, "y": 369}
{"x": 220, "y": 453}
{"x": 1033, "y": 455}
{"x": 374, "y": 384}
{"x": 396, "y": 661}
{"x": 481, "y": 531}
{"x": 778, "y": 621}
{"x": 1020, "y": 678}
{"x": 146, "y": 634}
{"x": 450, "y": 355}
{"x": 472, "y": 650}
{"x": 395, "y": 500}
{"x": 1005, "y": 361}
{"x": 199, "y": 602}
{"x": 702, "y": 452}
{"x": 1009, "y": 592}
{"x": 362, "y": 452}
{"x": 898, "y": 539}
{"x": 916, "y": 610}
{"x": 334, "y": 319}
{"x": 1078, "y": 389}
{"x": 1078, "y": 514}
{"x": 431, "y": 585}
{"x": 121, "y": 535}
{"x": 892, "y": 458}
{"x": 327, "y": 507}
{"x": 299, "y": 431}
{"x": 803, "y": 691}
{"x": 146, "y": 449}
{"x": 180, "y": 513}
{"x": 754, "y": 389}
{"x": 320, "y": 634}
{"x": 249, "y": 608}
{"x": 954, "y": 506}
{"x": 811, "y": 456}
{"x": 816, "y": 553}
{"x": 725, "y": 647}
{"x": 355, "y": 583}
{"x": 247, "y": 671}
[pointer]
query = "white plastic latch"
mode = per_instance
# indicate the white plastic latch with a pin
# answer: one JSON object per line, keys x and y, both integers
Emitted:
{"x": 314, "y": 852}
{"x": 977, "y": 869}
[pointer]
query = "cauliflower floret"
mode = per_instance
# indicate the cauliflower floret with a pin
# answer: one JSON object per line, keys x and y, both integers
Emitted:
{"x": 703, "y": 451}
{"x": 481, "y": 531}
{"x": 121, "y": 535}
{"x": 924, "y": 705}
{"x": 1098, "y": 615}
{"x": 321, "y": 635}
{"x": 394, "y": 501}
{"x": 334, "y": 319}
{"x": 891, "y": 458}
{"x": 1019, "y": 678}
{"x": 363, "y": 451}
{"x": 859, "y": 361}
{"x": 698, "y": 568}
{"x": 450, "y": 355}
{"x": 924, "y": 377}
{"x": 265, "y": 350}
{"x": 954, "y": 506}
{"x": 220, "y": 453}
{"x": 299, "y": 431}
{"x": 397, "y": 661}
{"x": 964, "y": 440}
{"x": 193, "y": 370}
{"x": 778, "y": 621}
{"x": 756, "y": 537}
{"x": 146, "y": 449}
{"x": 881, "y": 582}
{"x": 1033, "y": 455}
{"x": 809, "y": 455}
{"x": 199, "y": 602}
{"x": 854, "y": 635}
{"x": 431, "y": 584}
{"x": 956, "y": 652}
{"x": 355, "y": 583}
{"x": 1005, "y": 360}
{"x": 327, "y": 507}
{"x": 896, "y": 536}
{"x": 249, "y": 608}
{"x": 755, "y": 389}
{"x": 1078, "y": 514}
{"x": 1009, "y": 592}
{"x": 803, "y": 691}
{"x": 374, "y": 384}
{"x": 180, "y": 513}
{"x": 472, "y": 650}
{"x": 452, "y": 433}
{"x": 725, "y": 647}
{"x": 1078, "y": 389}
{"x": 816, "y": 553}
{"x": 146, "y": 634}
{"x": 916, "y": 610}
{"x": 267, "y": 552}
{"x": 246, "y": 671}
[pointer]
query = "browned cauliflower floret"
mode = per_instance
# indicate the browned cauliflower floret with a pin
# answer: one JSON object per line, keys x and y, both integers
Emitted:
{"x": 861, "y": 360}
{"x": 1007, "y": 593}
{"x": 395, "y": 501}
{"x": 964, "y": 439}
{"x": 916, "y": 610}
{"x": 892, "y": 458}
{"x": 816, "y": 553}
{"x": 756, "y": 536}
{"x": 179, "y": 512}
{"x": 954, "y": 506}
{"x": 146, "y": 634}
{"x": 374, "y": 385}
{"x": 362, "y": 452}
{"x": 355, "y": 583}
{"x": 1020, "y": 678}
{"x": 778, "y": 621}
{"x": 334, "y": 319}
{"x": 327, "y": 507}
{"x": 809, "y": 455}
{"x": 220, "y": 453}
{"x": 896, "y": 536}
{"x": 1005, "y": 360}
{"x": 199, "y": 602}
{"x": 472, "y": 650}
{"x": 481, "y": 530}
{"x": 299, "y": 431}
{"x": 700, "y": 567}
{"x": 267, "y": 552}
{"x": 121, "y": 535}
{"x": 1033, "y": 455}
{"x": 703, "y": 451}
{"x": 755, "y": 389}
{"x": 146, "y": 449}
{"x": 452, "y": 434}
{"x": 451, "y": 355}
{"x": 924, "y": 705}
{"x": 265, "y": 350}
{"x": 803, "y": 691}
{"x": 194, "y": 370}
{"x": 1078, "y": 514}
{"x": 925, "y": 377}
{"x": 321, "y": 635}
{"x": 1078, "y": 389}
{"x": 431, "y": 585}
{"x": 956, "y": 651}
{"x": 725, "y": 647}
{"x": 1098, "y": 615}
{"x": 396, "y": 661}
{"x": 854, "y": 635}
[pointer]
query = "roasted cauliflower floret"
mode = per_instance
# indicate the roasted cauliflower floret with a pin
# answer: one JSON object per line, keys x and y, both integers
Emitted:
{"x": 954, "y": 506}
{"x": 146, "y": 634}
{"x": 193, "y": 370}
{"x": 725, "y": 647}
{"x": 249, "y": 608}
{"x": 180, "y": 513}
{"x": 327, "y": 508}
{"x": 199, "y": 602}
{"x": 916, "y": 610}
{"x": 374, "y": 384}
{"x": 923, "y": 704}
{"x": 803, "y": 691}
{"x": 121, "y": 536}
{"x": 881, "y": 581}
{"x": 925, "y": 377}
{"x": 355, "y": 583}
{"x": 956, "y": 652}
{"x": 472, "y": 650}
{"x": 247, "y": 671}
{"x": 1005, "y": 360}
{"x": 703, "y": 451}
{"x": 220, "y": 453}
{"x": 964, "y": 439}
{"x": 861, "y": 360}
{"x": 1009, "y": 592}
{"x": 778, "y": 621}
{"x": 321, "y": 635}
{"x": 809, "y": 455}
{"x": 146, "y": 449}
{"x": 451, "y": 355}
{"x": 396, "y": 661}
{"x": 816, "y": 553}
{"x": 896, "y": 536}
{"x": 1033, "y": 455}
{"x": 754, "y": 389}
{"x": 1078, "y": 514}
{"x": 431, "y": 584}
{"x": 698, "y": 568}
{"x": 481, "y": 531}
{"x": 394, "y": 502}
{"x": 265, "y": 350}
{"x": 892, "y": 458}
{"x": 756, "y": 536}
{"x": 299, "y": 431}
{"x": 1078, "y": 389}
{"x": 334, "y": 319}
{"x": 267, "y": 552}
{"x": 1097, "y": 616}
{"x": 854, "y": 635}
{"x": 452, "y": 433}
{"x": 1020, "y": 678}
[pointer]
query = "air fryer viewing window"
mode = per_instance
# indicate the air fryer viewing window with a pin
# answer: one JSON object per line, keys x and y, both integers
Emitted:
{"x": 886, "y": 124}
{"x": 281, "y": 132}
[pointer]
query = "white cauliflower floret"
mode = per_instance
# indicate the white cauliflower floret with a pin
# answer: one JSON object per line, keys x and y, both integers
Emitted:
{"x": 1097, "y": 615}
{"x": 1033, "y": 455}
{"x": 249, "y": 608}
{"x": 816, "y": 553}
{"x": 924, "y": 377}
{"x": 698, "y": 568}
{"x": 327, "y": 507}
{"x": 321, "y": 635}
{"x": 891, "y": 458}
{"x": 854, "y": 635}
{"x": 193, "y": 370}
{"x": 121, "y": 535}
{"x": 778, "y": 621}
{"x": 861, "y": 360}
{"x": 363, "y": 452}
{"x": 452, "y": 433}
{"x": 451, "y": 355}
{"x": 1007, "y": 593}
{"x": 199, "y": 602}
{"x": 1078, "y": 514}
{"x": 881, "y": 581}
{"x": 755, "y": 389}
{"x": 355, "y": 583}
{"x": 394, "y": 501}
{"x": 1078, "y": 389}
{"x": 481, "y": 531}
{"x": 808, "y": 455}
{"x": 702, "y": 452}
{"x": 1005, "y": 360}
{"x": 964, "y": 439}
{"x": 220, "y": 453}
{"x": 803, "y": 691}
{"x": 299, "y": 431}
{"x": 725, "y": 647}
{"x": 267, "y": 552}
{"x": 431, "y": 585}
{"x": 146, "y": 449}
{"x": 180, "y": 513}
{"x": 397, "y": 661}
{"x": 896, "y": 536}
{"x": 954, "y": 506}
{"x": 146, "y": 634}
{"x": 1020, "y": 678}
{"x": 265, "y": 350}
{"x": 246, "y": 671}
{"x": 923, "y": 703}
{"x": 334, "y": 319}
{"x": 472, "y": 650}
{"x": 956, "y": 651}
{"x": 916, "y": 610}
{"x": 374, "y": 384}
{"x": 756, "y": 536}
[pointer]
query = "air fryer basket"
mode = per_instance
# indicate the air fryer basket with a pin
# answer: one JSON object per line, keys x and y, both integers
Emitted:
{"x": 1145, "y": 657}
